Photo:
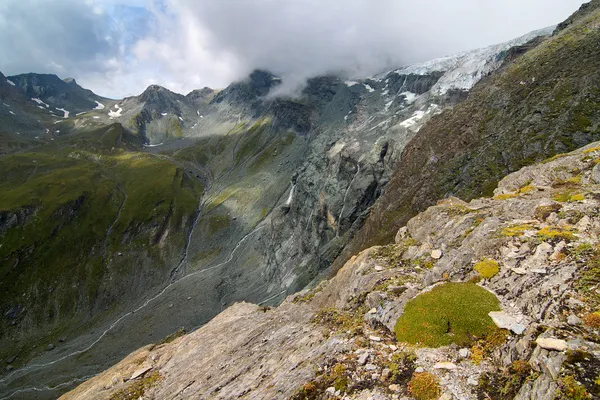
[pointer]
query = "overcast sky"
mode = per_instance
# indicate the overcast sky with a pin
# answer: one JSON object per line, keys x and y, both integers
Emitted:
{"x": 119, "y": 47}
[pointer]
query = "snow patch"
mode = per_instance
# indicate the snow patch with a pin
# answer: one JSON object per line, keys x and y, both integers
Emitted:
{"x": 409, "y": 96}
{"x": 416, "y": 120}
{"x": 40, "y": 102}
{"x": 388, "y": 105}
{"x": 115, "y": 114}
{"x": 291, "y": 196}
{"x": 181, "y": 119}
{"x": 10, "y": 82}
{"x": 12, "y": 113}
{"x": 164, "y": 114}
{"x": 64, "y": 111}
{"x": 369, "y": 88}
{"x": 96, "y": 117}
{"x": 153, "y": 145}
{"x": 99, "y": 106}
{"x": 350, "y": 83}
{"x": 463, "y": 70}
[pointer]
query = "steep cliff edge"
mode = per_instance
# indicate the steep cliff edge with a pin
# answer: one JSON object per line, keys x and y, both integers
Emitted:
{"x": 530, "y": 255}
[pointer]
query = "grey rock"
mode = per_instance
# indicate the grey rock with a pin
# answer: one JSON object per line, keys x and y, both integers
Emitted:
{"x": 596, "y": 174}
{"x": 50, "y": 347}
{"x": 362, "y": 359}
{"x": 552, "y": 344}
{"x": 11, "y": 359}
{"x": 371, "y": 367}
{"x": 574, "y": 320}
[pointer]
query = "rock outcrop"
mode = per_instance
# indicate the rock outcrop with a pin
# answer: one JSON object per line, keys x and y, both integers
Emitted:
{"x": 337, "y": 340}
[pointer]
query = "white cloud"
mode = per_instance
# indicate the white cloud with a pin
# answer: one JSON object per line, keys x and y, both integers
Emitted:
{"x": 118, "y": 47}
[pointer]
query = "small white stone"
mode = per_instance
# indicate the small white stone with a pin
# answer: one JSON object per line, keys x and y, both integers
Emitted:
{"x": 362, "y": 359}
{"x": 394, "y": 388}
{"x": 418, "y": 370}
{"x": 330, "y": 390}
{"x": 463, "y": 353}
{"x": 472, "y": 381}
{"x": 519, "y": 271}
{"x": 378, "y": 268}
{"x": 541, "y": 271}
{"x": 445, "y": 365}
{"x": 375, "y": 338}
{"x": 372, "y": 311}
{"x": 446, "y": 396}
{"x": 552, "y": 344}
{"x": 393, "y": 348}
{"x": 436, "y": 254}
{"x": 370, "y": 367}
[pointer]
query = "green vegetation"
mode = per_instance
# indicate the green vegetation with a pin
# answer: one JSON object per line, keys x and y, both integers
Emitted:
{"x": 65, "y": 197}
{"x": 424, "y": 386}
{"x": 570, "y": 389}
{"x": 449, "y": 313}
{"x": 336, "y": 376}
{"x": 505, "y": 384}
{"x": 487, "y": 268}
{"x": 169, "y": 338}
{"x": 217, "y": 223}
{"x": 543, "y": 212}
{"x": 341, "y": 320}
{"x": 516, "y": 230}
{"x": 138, "y": 388}
{"x": 401, "y": 366}
{"x": 555, "y": 233}
{"x": 568, "y": 196}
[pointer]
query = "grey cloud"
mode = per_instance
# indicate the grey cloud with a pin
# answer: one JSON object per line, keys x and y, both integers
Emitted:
{"x": 301, "y": 38}
{"x": 62, "y": 36}
{"x": 196, "y": 43}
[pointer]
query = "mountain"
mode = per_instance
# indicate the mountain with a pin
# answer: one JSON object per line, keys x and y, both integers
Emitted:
{"x": 514, "y": 270}
{"x": 58, "y": 93}
{"x": 130, "y": 221}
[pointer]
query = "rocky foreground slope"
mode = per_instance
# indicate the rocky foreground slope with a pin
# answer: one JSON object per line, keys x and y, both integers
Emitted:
{"x": 524, "y": 265}
{"x": 173, "y": 207}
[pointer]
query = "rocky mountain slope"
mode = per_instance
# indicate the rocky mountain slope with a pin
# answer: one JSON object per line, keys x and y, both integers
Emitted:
{"x": 192, "y": 203}
{"x": 543, "y": 103}
{"x": 523, "y": 265}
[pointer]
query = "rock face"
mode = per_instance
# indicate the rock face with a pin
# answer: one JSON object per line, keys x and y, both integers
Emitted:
{"x": 520, "y": 115}
{"x": 200, "y": 201}
{"x": 262, "y": 194}
{"x": 317, "y": 339}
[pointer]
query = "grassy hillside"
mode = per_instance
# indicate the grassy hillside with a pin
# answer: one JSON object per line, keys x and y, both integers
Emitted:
{"x": 85, "y": 221}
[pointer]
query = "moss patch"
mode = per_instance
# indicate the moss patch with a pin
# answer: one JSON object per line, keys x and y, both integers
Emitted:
{"x": 424, "y": 386}
{"x": 487, "y": 268}
{"x": 138, "y": 388}
{"x": 449, "y": 313}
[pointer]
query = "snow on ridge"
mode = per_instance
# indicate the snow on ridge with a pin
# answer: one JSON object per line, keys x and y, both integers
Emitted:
{"x": 465, "y": 69}
{"x": 409, "y": 96}
{"x": 99, "y": 106}
{"x": 153, "y": 145}
{"x": 12, "y": 113}
{"x": 64, "y": 111}
{"x": 115, "y": 114}
{"x": 40, "y": 102}
{"x": 369, "y": 88}
{"x": 10, "y": 82}
{"x": 350, "y": 83}
{"x": 164, "y": 114}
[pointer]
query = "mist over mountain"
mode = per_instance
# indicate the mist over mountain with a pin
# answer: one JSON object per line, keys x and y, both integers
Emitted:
{"x": 117, "y": 48}
{"x": 349, "y": 216}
